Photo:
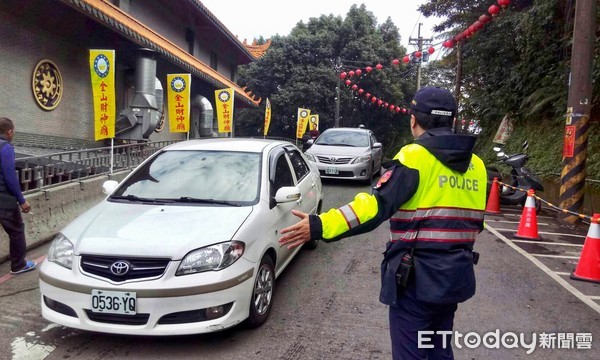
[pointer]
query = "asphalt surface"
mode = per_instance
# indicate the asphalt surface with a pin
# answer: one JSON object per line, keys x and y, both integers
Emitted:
{"x": 326, "y": 305}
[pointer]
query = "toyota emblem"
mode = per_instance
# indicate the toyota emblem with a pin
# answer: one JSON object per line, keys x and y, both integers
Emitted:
{"x": 332, "y": 159}
{"x": 120, "y": 267}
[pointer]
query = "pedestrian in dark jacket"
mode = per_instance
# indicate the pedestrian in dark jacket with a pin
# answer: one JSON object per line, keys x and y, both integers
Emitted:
{"x": 434, "y": 198}
{"x": 12, "y": 201}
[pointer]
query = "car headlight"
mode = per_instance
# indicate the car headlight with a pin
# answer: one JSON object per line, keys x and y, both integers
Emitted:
{"x": 214, "y": 257}
{"x": 61, "y": 251}
{"x": 362, "y": 159}
{"x": 310, "y": 157}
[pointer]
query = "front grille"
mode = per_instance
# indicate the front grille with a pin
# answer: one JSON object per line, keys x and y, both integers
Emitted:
{"x": 334, "y": 160}
{"x": 139, "y": 268}
{"x": 137, "y": 319}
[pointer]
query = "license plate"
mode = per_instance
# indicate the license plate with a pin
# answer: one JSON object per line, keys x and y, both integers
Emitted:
{"x": 332, "y": 171}
{"x": 114, "y": 302}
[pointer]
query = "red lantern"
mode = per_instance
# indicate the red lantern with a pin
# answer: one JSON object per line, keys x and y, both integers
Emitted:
{"x": 484, "y": 19}
{"x": 503, "y": 3}
{"x": 392, "y": 107}
{"x": 351, "y": 73}
{"x": 406, "y": 59}
{"x": 431, "y": 50}
{"x": 360, "y": 91}
{"x": 418, "y": 54}
{"x": 403, "y": 110}
{"x": 472, "y": 29}
{"x": 379, "y": 102}
{"x": 478, "y": 25}
{"x": 348, "y": 82}
{"x": 358, "y": 72}
{"x": 369, "y": 69}
{"x": 493, "y": 10}
{"x": 368, "y": 95}
{"x": 354, "y": 87}
{"x": 373, "y": 99}
{"x": 396, "y": 62}
{"x": 343, "y": 75}
{"x": 386, "y": 104}
{"x": 378, "y": 66}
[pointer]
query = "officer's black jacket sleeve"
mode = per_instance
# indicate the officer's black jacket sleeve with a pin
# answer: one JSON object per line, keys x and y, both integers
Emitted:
{"x": 398, "y": 189}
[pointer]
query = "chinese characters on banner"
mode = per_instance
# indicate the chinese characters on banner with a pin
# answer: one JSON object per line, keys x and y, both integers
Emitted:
{"x": 178, "y": 96}
{"x": 313, "y": 122}
{"x": 224, "y": 102}
{"x": 267, "y": 117}
{"x": 102, "y": 70}
{"x": 504, "y": 131}
{"x": 303, "y": 115}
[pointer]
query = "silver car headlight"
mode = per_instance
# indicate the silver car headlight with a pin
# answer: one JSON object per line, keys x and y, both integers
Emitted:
{"x": 61, "y": 251}
{"x": 362, "y": 159}
{"x": 310, "y": 157}
{"x": 214, "y": 257}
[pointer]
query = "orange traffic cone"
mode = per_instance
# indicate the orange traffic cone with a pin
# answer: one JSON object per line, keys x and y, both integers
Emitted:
{"x": 493, "y": 203}
{"x": 588, "y": 267}
{"x": 528, "y": 228}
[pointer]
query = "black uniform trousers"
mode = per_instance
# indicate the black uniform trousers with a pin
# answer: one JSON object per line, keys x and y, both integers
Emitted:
{"x": 412, "y": 316}
{"x": 12, "y": 222}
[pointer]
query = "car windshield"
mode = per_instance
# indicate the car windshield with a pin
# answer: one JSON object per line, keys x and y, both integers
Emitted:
{"x": 195, "y": 177}
{"x": 343, "y": 138}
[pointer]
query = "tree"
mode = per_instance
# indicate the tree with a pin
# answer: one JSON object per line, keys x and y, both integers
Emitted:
{"x": 299, "y": 70}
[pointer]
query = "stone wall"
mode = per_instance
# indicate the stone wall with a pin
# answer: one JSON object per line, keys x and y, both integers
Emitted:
{"x": 52, "y": 209}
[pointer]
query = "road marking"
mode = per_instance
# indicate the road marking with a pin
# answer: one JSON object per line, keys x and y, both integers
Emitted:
{"x": 594, "y": 297}
{"x": 542, "y": 242}
{"x": 549, "y": 233}
{"x": 585, "y": 299}
{"x": 556, "y": 256}
{"x": 562, "y": 273}
{"x": 537, "y": 217}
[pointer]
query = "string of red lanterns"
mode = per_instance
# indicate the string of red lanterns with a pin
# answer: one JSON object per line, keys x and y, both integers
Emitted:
{"x": 493, "y": 10}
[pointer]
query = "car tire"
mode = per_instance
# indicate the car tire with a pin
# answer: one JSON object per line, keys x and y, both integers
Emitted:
{"x": 262, "y": 293}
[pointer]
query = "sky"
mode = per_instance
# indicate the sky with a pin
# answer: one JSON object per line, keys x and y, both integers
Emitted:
{"x": 252, "y": 19}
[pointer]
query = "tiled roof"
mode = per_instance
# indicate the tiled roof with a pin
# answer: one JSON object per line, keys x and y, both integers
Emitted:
{"x": 258, "y": 50}
{"x": 105, "y": 12}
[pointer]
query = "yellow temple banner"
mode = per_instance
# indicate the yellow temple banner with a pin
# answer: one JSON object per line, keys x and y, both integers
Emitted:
{"x": 313, "y": 122}
{"x": 267, "y": 117}
{"x": 224, "y": 105}
{"x": 178, "y": 99}
{"x": 102, "y": 70}
{"x": 303, "y": 115}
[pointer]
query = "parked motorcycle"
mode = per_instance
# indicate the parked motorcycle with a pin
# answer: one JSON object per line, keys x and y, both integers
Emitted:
{"x": 520, "y": 177}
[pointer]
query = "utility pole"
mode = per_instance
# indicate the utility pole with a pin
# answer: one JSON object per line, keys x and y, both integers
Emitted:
{"x": 579, "y": 105}
{"x": 337, "y": 67}
{"x": 419, "y": 42}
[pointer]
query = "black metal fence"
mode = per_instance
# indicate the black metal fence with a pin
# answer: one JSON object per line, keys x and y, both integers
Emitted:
{"x": 38, "y": 172}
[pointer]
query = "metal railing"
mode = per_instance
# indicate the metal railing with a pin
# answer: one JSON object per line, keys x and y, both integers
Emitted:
{"x": 38, "y": 172}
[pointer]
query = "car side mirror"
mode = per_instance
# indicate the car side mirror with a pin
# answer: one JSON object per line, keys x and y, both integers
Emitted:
{"x": 501, "y": 154}
{"x": 310, "y": 141}
{"x": 377, "y": 145}
{"x": 109, "y": 186}
{"x": 496, "y": 148}
{"x": 287, "y": 194}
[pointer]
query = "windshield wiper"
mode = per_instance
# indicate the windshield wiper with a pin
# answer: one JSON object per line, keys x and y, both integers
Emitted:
{"x": 140, "y": 199}
{"x": 187, "y": 199}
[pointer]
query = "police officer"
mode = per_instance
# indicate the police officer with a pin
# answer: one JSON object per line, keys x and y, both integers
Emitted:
{"x": 434, "y": 197}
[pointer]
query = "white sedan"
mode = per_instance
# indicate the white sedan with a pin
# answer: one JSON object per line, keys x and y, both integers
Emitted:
{"x": 185, "y": 244}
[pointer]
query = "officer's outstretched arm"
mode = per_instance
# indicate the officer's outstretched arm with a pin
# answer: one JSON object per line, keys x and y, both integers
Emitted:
{"x": 367, "y": 211}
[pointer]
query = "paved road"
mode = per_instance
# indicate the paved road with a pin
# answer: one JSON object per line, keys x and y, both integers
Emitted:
{"x": 326, "y": 305}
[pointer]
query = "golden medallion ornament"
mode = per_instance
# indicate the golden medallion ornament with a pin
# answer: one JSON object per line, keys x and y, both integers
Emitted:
{"x": 47, "y": 84}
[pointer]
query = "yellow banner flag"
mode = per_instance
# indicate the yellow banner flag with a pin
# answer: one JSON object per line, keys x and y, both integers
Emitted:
{"x": 267, "y": 116}
{"x": 224, "y": 102}
{"x": 102, "y": 70}
{"x": 313, "y": 122}
{"x": 303, "y": 115}
{"x": 178, "y": 98}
